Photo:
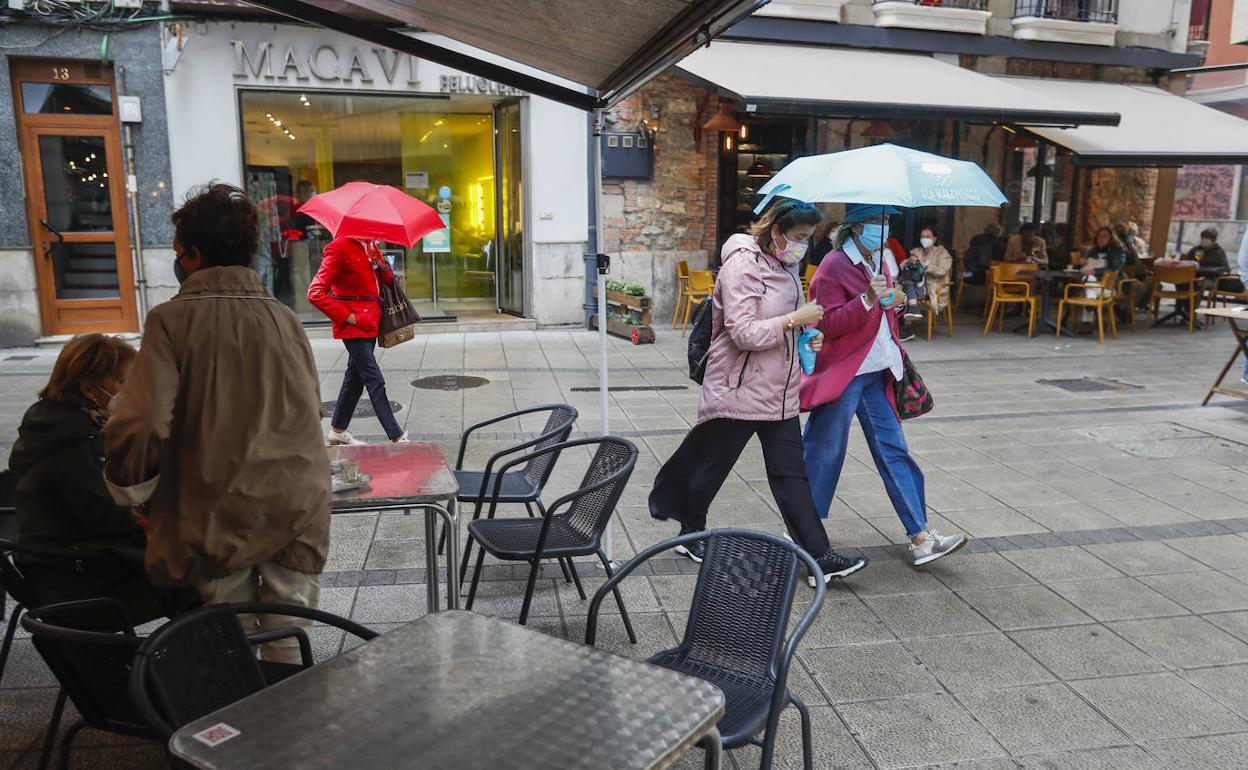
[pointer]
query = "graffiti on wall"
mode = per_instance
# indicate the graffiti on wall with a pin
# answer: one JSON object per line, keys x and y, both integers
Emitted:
{"x": 1205, "y": 193}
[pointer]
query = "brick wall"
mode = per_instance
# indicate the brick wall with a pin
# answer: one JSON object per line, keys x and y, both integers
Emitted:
{"x": 650, "y": 224}
{"x": 1116, "y": 195}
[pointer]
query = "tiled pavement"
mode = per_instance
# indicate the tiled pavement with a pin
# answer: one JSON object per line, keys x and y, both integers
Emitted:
{"x": 1099, "y": 619}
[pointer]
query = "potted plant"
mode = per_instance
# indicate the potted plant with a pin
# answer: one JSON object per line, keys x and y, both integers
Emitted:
{"x": 628, "y": 311}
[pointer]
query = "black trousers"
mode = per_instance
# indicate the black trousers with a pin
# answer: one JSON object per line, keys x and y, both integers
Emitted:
{"x": 363, "y": 372}
{"x": 688, "y": 482}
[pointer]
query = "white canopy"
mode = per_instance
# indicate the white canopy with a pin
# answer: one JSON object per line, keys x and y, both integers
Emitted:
{"x": 1158, "y": 128}
{"x": 875, "y": 84}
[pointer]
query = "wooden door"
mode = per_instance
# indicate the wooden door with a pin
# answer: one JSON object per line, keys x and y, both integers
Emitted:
{"x": 75, "y": 195}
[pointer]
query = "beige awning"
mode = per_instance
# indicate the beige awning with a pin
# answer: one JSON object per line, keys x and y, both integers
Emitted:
{"x": 1158, "y": 128}
{"x": 774, "y": 78}
{"x": 610, "y": 48}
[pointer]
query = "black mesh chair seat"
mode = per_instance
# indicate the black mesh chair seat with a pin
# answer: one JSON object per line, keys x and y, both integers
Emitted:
{"x": 516, "y": 539}
{"x": 735, "y": 636}
{"x": 747, "y": 700}
{"x": 572, "y": 526}
{"x": 516, "y": 487}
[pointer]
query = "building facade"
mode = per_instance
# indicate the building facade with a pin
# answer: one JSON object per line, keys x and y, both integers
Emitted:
{"x": 825, "y": 75}
{"x": 113, "y": 128}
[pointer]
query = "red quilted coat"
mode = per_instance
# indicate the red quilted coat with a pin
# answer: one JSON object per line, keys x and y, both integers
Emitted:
{"x": 347, "y": 283}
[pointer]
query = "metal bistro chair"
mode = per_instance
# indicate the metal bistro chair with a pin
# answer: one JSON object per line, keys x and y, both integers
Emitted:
{"x": 204, "y": 660}
{"x": 1223, "y": 288}
{"x": 735, "y": 635}
{"x": 1008, "y": 287}
{"x": 523, "y": 485}
{"x": 16, "y": 584}
{"x": 682, "y": 289}
{"x": 1183, "y": 278}
{"x": 575, "y": 531}
{"x": 92, "y": 668}
{"x": 1104, "y": 295}
{"x": 701, "y": 287}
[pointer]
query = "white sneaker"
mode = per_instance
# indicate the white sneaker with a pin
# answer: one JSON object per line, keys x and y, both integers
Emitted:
{"x": 401, "y": 439}
{"x": 935, "y": 546}
{"x": 341, "y": 438}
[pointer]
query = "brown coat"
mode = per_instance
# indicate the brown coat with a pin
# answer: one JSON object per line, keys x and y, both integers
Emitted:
{"x": 219, "y": 423}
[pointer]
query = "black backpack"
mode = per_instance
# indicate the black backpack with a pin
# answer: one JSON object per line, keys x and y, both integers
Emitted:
{"x": 700, "y": 336}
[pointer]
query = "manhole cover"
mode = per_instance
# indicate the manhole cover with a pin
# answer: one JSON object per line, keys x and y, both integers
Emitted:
{"x": 20, "y": 358}
{"x": 449, "y": 382}
{"x": 626, "y": 388}
{"x": 363, "y": 409}
{"x": 1088, "y": 385}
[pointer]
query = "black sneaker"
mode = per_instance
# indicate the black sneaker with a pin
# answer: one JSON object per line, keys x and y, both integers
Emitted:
{"x": 835, "y": 565}
{"x": 696, "y": 551}
{"x": 905, "y": 332}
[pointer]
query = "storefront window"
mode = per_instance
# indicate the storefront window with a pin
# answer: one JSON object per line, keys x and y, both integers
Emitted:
{"x": 440, "y": 151}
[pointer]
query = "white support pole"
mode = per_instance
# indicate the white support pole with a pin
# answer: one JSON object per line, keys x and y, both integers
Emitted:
{"x": 604, "y": 400}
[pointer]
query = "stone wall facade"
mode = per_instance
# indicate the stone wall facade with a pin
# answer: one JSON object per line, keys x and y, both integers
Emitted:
{"x": 650, "y": 224}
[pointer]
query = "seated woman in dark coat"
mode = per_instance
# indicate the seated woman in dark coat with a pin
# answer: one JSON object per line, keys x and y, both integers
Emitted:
{"x": 62, "y": 502}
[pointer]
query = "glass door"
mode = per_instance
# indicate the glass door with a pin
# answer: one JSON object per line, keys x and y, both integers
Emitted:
{"x": 508, "y": 249}
{"x": 76, "y": 201}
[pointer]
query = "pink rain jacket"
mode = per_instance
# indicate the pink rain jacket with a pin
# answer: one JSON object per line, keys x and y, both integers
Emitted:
{"x": 752, "y": 372}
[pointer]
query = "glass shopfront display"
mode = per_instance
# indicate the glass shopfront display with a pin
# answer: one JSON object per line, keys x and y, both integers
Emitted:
{"x": 442, "y": 151}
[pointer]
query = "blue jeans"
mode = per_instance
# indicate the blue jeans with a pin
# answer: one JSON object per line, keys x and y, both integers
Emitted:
{"x": 363, "y": 372}
{"x": 826, "y": 440}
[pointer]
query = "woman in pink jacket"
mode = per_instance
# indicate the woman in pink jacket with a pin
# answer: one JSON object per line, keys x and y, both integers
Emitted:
{"x": 751, "y": 388}
{"x": 854, "y": 375}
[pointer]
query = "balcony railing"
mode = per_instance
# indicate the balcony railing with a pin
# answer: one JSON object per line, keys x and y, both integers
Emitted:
{"x": 1090, "y": 11}
{"x": 968, "y": 5}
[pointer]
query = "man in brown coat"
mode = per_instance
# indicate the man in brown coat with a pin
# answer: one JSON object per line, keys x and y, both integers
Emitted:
{"x": 217, "y": 431}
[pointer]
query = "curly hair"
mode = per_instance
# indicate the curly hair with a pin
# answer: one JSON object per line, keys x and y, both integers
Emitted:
{"x": 221, "y": 222}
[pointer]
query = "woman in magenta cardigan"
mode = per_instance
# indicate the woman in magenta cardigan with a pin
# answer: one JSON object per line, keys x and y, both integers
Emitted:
{"x": 347, "y": 290}
{"x": 854, "y": 375}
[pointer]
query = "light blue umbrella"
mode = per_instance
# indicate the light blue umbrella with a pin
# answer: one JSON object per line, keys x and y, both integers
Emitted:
{"x": 885, "y": 174}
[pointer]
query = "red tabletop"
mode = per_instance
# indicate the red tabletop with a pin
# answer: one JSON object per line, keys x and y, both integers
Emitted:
{"x": 402, "y": 474}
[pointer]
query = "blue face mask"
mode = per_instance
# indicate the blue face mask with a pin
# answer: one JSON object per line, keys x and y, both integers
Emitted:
{"x": 873, "y": 235}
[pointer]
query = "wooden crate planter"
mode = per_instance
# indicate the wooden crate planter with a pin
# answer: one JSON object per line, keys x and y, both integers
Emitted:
{"x": 635, "y": 309}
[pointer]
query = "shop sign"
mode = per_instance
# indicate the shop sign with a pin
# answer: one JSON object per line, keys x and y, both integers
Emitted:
{"x": 325, "y": 63}
{"x": 468, "y": 84}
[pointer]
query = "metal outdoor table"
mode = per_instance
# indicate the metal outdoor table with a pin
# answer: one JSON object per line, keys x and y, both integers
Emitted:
{"x": 1241, "y": 346}
{"x": 460, "y": 690}
{"x": 1048, "y": 279}
{"x": 410, "y": 477}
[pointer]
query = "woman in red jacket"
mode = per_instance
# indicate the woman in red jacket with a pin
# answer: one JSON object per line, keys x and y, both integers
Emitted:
{"x": 346, "y": 289}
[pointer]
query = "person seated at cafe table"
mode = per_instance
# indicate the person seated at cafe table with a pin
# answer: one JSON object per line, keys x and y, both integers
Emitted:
{"x": 1209, "y": 254}
{"x": 218, "y": 428}
{"x": 62, "y": 502}
{"x": 1026, "y": 246}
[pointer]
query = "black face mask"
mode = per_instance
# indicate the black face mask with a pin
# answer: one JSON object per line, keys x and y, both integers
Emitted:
{"x": 178, "y": 272}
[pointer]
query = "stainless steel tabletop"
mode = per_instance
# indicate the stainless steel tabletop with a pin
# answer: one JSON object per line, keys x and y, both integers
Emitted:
{"x": 460, "y": 690}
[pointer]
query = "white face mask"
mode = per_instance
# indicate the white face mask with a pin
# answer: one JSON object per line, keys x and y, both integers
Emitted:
{"x": 1206, "y": 242}
{"x": 792, "y": 252}
{"x": 111, "y": 405}
{"x": 927, "y": 242}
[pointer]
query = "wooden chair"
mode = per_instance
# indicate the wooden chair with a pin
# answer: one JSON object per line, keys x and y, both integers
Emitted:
{"x": 1184, "y": 279}
{"x": 1222, "y": 290}
{"x": 939, "y": 289}
{"x": 807, "y": 277}
{"x": 1102, "y": 301}
{"x": 1009, "y": 288}
{"x": 701, "y": 286}
{"x": 682, "y": 289}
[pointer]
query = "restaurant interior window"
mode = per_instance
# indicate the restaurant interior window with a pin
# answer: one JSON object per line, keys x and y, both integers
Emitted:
{"x": 440, "y": 151}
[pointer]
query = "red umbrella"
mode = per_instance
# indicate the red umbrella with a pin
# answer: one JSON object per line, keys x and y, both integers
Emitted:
{"x": 364, "y": 210}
